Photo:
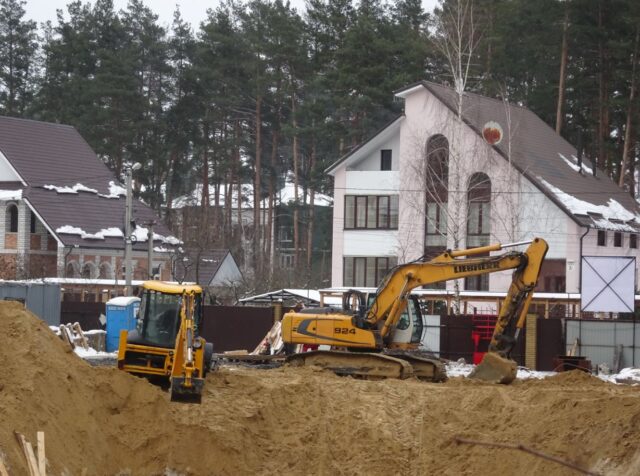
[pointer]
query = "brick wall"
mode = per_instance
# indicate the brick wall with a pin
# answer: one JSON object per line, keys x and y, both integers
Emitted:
{"x": 8, "y": 266}
{"x": 11, "y": 241}
{"x": 41, "y": 266}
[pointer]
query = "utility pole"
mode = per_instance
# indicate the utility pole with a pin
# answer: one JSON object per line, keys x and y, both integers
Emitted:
{"x": 128, "y": 271}
{"x": 150, "y": 247}
{"x": 127, "y": 233}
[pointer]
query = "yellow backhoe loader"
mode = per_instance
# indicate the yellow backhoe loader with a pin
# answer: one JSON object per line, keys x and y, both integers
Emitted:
{"x": 367, "y": 342}
{"x": 166, "y": 346}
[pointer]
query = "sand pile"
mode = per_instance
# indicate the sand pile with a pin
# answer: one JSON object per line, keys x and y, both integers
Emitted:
{"x": 300, "y": 421}
{"x": 100, "y": 419}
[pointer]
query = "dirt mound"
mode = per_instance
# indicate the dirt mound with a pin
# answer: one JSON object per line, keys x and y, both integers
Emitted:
{"x": 100, "y": 419}
{"x": 301, "y": 421}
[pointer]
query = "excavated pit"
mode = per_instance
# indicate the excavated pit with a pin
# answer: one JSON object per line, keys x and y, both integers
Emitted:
{"x": 300, "y": 421}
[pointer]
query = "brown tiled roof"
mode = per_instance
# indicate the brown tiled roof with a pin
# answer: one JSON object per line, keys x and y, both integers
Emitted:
{"x": 52, "y": 154}
{"x": 537, "y": 151}
{"x": 45, "y": 153}
{"x": 209, "y": 263}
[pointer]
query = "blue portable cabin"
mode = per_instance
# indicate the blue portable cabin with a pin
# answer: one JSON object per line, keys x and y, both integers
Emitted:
{"x": 122, "y": 313}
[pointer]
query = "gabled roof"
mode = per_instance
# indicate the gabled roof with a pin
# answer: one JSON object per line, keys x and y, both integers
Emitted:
{"x": 69, "y": 188}
{"x": 209, "y": 263}
{"x": 389, "y": 128}
{"x": 546, "y": 159}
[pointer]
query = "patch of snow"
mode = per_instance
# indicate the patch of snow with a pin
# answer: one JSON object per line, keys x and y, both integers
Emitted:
{"x": 161, "y": 249}
{"x": 94, "y": 354}
{"x": 629, "y": 375}
{"x": 525, "y": 373}
{"x": 613, "y": 210}
{"x": 458, "y": 369}
{"x": 140, "y": 234}
{"x": 585, "y": 167}
{"x": 574, "y": 164}
{"x": 462, "y": 369}
{"x": 75, "y": 189}
{"x": 112, "y": 232}
{"x": 115, "y": 191}
{"x": 10, "y": 194}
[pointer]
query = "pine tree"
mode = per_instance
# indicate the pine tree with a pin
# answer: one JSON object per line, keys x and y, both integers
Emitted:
{"x": 18, "y": 48}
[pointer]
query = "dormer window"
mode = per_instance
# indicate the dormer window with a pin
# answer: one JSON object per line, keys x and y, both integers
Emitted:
{"x": 385, "y": 159}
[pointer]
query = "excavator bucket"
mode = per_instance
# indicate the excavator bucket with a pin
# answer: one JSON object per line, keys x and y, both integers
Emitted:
{"x": 495, "y": 369}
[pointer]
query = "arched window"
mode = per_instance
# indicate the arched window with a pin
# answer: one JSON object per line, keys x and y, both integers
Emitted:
{"x": 106, "y": 271}
{"x": 11, "y": 224}
{"x": 436, "y": 185}
{"x": 72, "y": 270}
{"x": 88, "y": 270}
{"x": 478, "y": 223}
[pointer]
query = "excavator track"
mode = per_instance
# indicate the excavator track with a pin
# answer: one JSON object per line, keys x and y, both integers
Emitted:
{"x": 424, "y": 367}
{"x": 357, "y": 364}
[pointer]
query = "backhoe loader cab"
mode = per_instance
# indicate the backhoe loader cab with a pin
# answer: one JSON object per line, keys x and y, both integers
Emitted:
{"x": 166, "y": 345}
{"x": 159, "y": 318}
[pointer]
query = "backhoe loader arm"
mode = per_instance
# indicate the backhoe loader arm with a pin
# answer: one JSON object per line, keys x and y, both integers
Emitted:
{"x": 391, "y": 298}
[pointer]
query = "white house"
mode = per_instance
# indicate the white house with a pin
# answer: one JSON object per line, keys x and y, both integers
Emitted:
{"x": 429, "y": 181}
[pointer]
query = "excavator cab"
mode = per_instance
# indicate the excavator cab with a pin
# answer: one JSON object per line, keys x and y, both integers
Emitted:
{"x": 409, "y": 330}
{"x": 166, "y": 345}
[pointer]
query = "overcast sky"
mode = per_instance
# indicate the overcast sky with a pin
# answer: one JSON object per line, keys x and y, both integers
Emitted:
{"x": 193, "y": 11}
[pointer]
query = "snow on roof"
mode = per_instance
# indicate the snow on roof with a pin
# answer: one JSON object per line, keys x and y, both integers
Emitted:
{"x": 612, "y": 211}
{"x": 73, "y": 189}
{"x": 115, "y": 190}
{"x": 287, "y": 194}
{"x": 574, "y": 164}
{"x": 140, "y": 234}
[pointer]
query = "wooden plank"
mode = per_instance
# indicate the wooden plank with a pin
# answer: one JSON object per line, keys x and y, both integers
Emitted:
{"x": 3, "y": 469}
{"x": 33, "y": 468}
{"x": 83, "y": 339}
{"x": 42, "y": 461}
{"x": 31, "y": 458}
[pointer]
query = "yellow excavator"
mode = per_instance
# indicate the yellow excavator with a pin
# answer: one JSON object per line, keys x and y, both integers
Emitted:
{"x": 166, "y": 346}
{"x": 367, "y": 342}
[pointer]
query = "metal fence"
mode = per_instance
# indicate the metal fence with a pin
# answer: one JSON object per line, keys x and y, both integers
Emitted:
{"x": 42, "y": 299}
{"x": 614, "y": 343}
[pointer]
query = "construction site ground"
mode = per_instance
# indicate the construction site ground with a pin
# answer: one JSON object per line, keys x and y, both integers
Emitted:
{"x": 300, "y": 421}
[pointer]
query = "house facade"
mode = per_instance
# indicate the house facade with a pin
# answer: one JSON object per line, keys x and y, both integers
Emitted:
{"x": 456, "y": 172}
{"x": 62, "y": 210}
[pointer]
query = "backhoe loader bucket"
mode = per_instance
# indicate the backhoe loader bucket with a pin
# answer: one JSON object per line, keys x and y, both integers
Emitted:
{"x": 495, "y": 369}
